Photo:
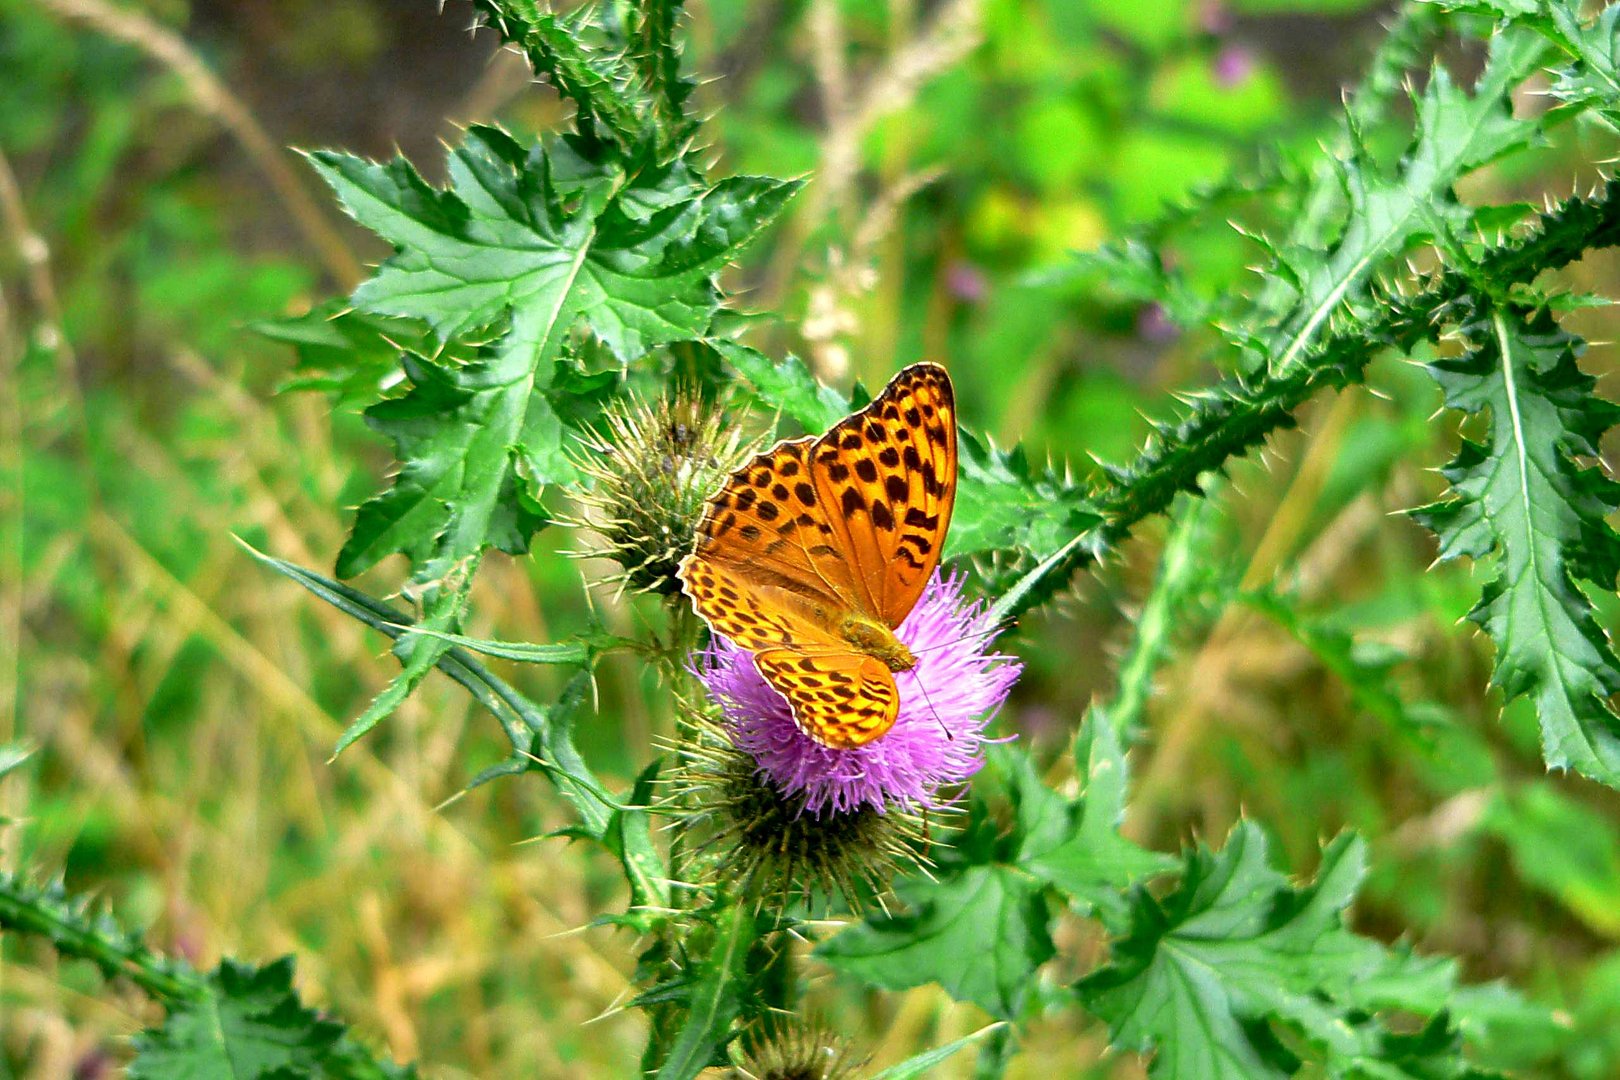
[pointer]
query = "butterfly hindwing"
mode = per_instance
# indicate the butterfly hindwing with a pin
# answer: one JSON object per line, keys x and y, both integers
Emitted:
{"x": 839, "y": 699}
{"x": 889, "y": 472}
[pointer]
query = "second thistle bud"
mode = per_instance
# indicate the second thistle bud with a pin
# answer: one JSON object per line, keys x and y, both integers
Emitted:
{"x": 753, "y": 837}
{"x": 651, "y": 467}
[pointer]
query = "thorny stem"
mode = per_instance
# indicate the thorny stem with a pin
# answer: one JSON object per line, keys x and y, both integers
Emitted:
{"x": 685, "y": 632}
{"x": 65, "y": 922}
{"x": 1240, "y": 413}
{"x": 28, "y": 910}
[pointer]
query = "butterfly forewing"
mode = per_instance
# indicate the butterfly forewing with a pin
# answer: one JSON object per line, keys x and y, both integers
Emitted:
{"x": 752, "y": 574}
{"x": 840, "y": 699}
{"x": 889, "y": 472}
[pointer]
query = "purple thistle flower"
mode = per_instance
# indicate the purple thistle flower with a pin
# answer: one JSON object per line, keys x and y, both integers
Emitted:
{"x": 938, "y": 739}
{"x": 966, "y": 282}
{"x": 1233, "y": 66}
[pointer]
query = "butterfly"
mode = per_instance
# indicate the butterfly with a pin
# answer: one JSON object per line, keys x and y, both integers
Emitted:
{"x": 812, "y": 553}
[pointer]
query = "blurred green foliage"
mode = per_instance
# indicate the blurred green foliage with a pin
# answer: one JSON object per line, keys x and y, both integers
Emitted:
{"x": 182, "y": 704}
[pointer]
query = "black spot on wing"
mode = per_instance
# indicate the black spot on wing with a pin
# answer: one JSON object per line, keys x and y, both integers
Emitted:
{"x": 917, "y": 518}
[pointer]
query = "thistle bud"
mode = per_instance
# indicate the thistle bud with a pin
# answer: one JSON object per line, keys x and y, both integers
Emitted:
{"x": 792, "y": 1050}
{"x": 651, "y": 467}
{"x": 752, "y": 836}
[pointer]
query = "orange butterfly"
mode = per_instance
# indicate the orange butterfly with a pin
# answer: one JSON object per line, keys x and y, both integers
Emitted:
{"x": 815, "y": 551}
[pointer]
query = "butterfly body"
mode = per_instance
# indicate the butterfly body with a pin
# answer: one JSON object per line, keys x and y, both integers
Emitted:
{"x": 878, "y": 641}
{"x": 812, "y": 554}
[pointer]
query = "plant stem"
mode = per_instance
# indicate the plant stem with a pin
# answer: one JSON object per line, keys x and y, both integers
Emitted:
{"x": 50, "y": 914}
{"x": 1240, "y": 413}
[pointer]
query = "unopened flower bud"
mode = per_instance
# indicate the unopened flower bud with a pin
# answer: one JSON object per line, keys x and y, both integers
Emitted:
{"x": 651, "y": 467}
{"x": 750, "y": 835}
{"x": 792, "y": 1050}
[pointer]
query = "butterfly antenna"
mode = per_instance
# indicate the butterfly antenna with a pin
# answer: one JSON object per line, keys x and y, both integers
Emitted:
{"x": 937, "y": 719}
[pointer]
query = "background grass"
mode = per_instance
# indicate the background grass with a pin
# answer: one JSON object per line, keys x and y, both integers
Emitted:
{"x": 184, "y": 703}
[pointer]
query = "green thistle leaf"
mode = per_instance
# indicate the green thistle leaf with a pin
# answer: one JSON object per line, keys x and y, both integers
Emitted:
{"x": 250, "y": 1025}
{"x": 475, "y": 447}
{"x": 786, "y": 385}
{"x": 1387, "y": 212}
{"x": 237, "y": 1021}
{"x": 551, "y": 237}
{"x": 980, "y": 934}
{"x": 1382, "y": 213}
{"x": 1202, "y": 974}
{"x": 1231, "y": 418}
{"x": 1522, "y": 496}
{"x": 617, "y": 62}
{"x": 981, "y": 927}
{"x": 1005, "y": 503}
{"x": 1591, "y": 81}
{"x": 349, "y": 354}
{"x": 524, "y": 245}
{"x": 1089, "y": 861}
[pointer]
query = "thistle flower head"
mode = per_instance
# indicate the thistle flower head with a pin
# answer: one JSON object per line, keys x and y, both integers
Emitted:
{"x": 754, "y": 837}
{"x": 651, "y": 468}
{"x": 937, "y": 741}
